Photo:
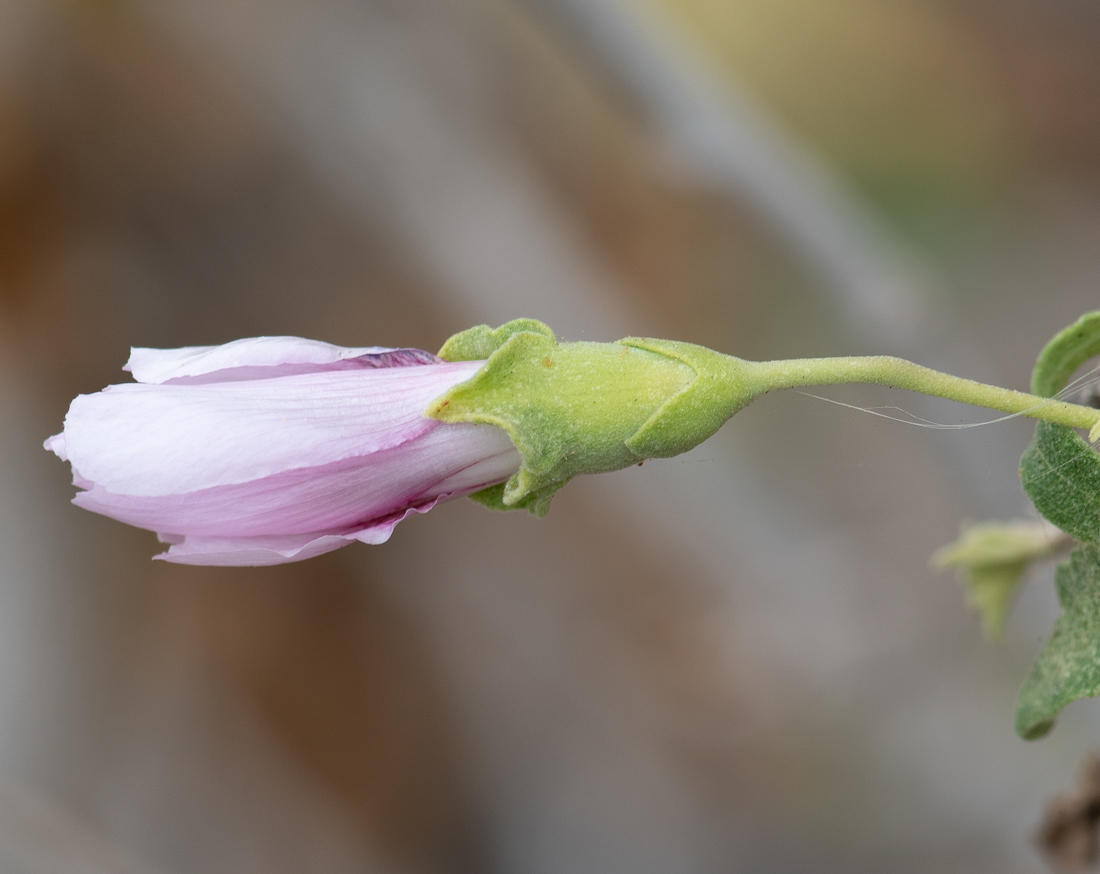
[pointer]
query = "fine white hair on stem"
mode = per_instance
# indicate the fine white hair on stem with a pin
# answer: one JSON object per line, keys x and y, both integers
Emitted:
{"x": 1086, "y": 380}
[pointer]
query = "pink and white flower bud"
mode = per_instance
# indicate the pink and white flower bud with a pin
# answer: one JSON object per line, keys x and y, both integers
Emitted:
{"x": 275, "y": 449}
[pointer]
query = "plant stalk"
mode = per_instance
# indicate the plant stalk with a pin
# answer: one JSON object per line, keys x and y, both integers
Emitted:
{"x": 899, "y": 373}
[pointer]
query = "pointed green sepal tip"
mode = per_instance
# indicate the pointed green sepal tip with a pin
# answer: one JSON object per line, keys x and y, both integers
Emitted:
{"x": 538, "y": 502}
{"x": 719, "y": 388}
{"x": 576, "y": 408}
{"x": 481, "y": 341}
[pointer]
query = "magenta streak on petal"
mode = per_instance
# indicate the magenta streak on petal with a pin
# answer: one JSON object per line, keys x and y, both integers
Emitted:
{"x": 262, "y": 358}
{"x": 444, "y": 459}
{"x": 373, "y": 361}
{"x": 149, "y": 440}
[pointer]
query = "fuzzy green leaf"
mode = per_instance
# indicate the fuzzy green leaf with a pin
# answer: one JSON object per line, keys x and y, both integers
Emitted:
{"x": 1061, "y": 474}
{"x": 1069, "y": 666}
{"x": 1069, "y": 349}
{"x": 1060, "y": 471}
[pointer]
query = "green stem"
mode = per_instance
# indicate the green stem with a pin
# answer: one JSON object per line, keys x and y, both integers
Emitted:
{"x": 899, "y": 373}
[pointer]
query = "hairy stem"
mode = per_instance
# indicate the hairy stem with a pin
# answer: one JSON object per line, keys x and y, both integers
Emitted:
{"x": 899, "y": 373}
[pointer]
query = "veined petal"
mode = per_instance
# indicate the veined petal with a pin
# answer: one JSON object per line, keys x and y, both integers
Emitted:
{"x": 250, "y": 551}
{"x": 268, "y": 550}
{"x": 446, "y": 460}
{"x": 262, "y": 358}
{"x": 151, "y": 440}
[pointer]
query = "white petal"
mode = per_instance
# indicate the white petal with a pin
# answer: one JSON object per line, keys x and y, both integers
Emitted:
{"x": 249, "y": 551}
{"x": 161, "y": 440}
{"x": 259, "y": 358}
{"x": 56, "y": 445}
{"x": 447, "y": 460}
{"x": 263, "y": 551}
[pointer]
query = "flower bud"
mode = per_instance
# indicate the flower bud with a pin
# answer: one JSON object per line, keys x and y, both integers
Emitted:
{"x": 276, "y": 449}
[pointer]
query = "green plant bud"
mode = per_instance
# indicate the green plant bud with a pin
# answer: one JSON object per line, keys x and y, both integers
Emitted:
{"x": 575, "y": 408}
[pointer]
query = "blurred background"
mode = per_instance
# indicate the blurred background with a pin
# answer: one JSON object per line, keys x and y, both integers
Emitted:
{"x": 733, "y": 661}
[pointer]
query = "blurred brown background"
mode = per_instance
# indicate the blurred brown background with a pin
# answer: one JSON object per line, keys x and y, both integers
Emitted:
{"x": 737, "y": 660}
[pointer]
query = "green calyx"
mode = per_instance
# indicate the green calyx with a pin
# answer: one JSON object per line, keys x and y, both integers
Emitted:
{"x": 574, "y": 408}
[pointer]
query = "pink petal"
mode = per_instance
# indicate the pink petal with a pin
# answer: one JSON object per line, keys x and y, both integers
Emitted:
{"x": 56, "y": 445}
{"x": 445, "y": 460}
{"x": 275, "y": 449}
{"x": 149, "y": 440}
{"x": 268, "y": 550}
{"x": 250, "y": 551}
{"x": 262, "y": 358}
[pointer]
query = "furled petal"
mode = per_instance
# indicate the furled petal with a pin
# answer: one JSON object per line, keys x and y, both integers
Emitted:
{"x": 268, "y": 550}
{"x": 276, "y": 449}
{"x": 150, "y": 440}
{"x": 262, "y": 358}
{"x": 251, "y": 551}
{"x": 445, "y": 460}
